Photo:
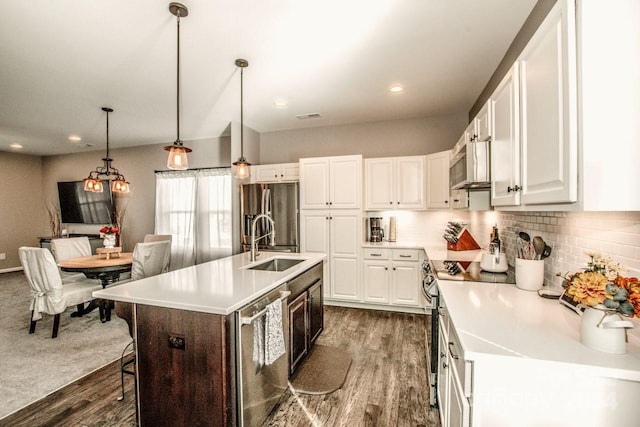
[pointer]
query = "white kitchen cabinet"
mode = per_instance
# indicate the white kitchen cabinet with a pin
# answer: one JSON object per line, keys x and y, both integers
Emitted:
{"x": 483, "y": 123}
{"x": 549, "y": 144}
{"x": 395, "y": 183}
{"x": 391, "y": 276}
{"x": 338, "y": 233}
{"x": 331, "y": 182}
{"x": 282, "y": 172}
{"x": 438, "y": 180}
{"x": 534, "y": 148}
{"x": 442, "y": 389}
{"x": 505, "y": 145}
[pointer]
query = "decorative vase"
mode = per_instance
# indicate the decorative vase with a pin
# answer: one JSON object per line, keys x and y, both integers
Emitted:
{"x": 604, "y": 331}
{"x": 109, "y": 240}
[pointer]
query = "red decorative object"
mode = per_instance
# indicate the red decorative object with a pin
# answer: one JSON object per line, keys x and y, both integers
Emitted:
{"x": 465, "y": 242}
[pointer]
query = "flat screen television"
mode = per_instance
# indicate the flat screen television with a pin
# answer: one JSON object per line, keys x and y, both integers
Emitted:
{"x": 84, "y": 207}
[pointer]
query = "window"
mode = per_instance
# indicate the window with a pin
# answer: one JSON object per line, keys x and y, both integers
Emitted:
{"x": 195, "y": 208}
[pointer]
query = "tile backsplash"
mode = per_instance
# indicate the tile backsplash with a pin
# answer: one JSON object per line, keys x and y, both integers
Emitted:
{"x": 571, "y": 234}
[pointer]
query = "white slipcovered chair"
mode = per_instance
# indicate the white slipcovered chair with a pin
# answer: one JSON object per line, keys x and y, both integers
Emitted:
{"x": 71, "y": 247}
{"x": 149, "y": 259}
{"x": 148, "y": 238}
{"x": 48, "y": 294}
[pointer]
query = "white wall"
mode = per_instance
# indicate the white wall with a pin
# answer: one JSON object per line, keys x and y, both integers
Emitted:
{"x": 376, "y": 139}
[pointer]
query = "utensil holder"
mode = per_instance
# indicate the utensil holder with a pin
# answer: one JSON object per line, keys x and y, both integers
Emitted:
{"x": 529, "y": 274}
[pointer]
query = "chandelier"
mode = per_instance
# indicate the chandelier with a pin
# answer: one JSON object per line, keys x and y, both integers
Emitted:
{"x": 106, "y": 172}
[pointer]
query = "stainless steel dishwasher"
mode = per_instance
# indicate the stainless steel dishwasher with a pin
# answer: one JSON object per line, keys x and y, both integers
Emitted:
{"x": 259, "y": 386}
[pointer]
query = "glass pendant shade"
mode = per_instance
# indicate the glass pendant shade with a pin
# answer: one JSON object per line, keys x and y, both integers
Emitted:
{"x": 120, "y": 186}
{"x": 97, "y": 186}
{"x": 242, "y": 168}
{"x": 177, "y": 159}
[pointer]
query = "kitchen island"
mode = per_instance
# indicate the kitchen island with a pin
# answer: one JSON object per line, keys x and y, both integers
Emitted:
{"x": 510, "y": 357}
{"x": 185, "y": 331}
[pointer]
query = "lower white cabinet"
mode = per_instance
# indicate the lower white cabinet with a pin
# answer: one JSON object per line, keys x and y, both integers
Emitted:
{"x": 454, "y": 375}
{"x": 338, "y": 234}
{"x": 392, "y": 276}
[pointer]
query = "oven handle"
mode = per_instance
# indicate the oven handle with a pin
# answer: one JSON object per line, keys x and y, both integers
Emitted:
{"x": 249, "y": 320}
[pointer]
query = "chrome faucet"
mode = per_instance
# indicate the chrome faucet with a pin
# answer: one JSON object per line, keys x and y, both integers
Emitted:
{"x": 254, "y": 239}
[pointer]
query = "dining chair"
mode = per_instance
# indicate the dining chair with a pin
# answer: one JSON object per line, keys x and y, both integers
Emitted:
{"x": 71, "y": 247}
{"x": 48, "y": 294}
{"x": 149, "y": 259}
{"x": 158, "y": 238}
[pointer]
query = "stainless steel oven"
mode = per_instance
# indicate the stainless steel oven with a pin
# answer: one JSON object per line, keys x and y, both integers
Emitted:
{"x": 430, "y": 291}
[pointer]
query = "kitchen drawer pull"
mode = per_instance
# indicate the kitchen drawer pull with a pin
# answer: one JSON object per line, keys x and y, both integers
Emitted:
{"x": 249, "y": 320}
{"x": 453, "y": 355}
{"x": 405, "y": 256}
{"x": 375, "y": 254}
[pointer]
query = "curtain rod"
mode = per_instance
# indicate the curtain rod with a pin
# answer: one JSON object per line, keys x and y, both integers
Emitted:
{"x": 193, "y": 169}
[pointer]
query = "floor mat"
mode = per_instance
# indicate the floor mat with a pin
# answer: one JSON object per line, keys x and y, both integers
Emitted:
{"x": 324, "y": 371}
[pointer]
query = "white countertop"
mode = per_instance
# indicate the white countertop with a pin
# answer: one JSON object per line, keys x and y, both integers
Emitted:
{"x": 502, "y": 320}
{"x": 221, "y": 286}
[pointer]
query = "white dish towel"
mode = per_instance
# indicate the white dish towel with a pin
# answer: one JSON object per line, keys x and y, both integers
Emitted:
{"x": 273, "y": 334}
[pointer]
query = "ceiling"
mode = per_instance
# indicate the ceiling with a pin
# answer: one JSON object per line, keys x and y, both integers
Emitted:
{"x": 62, "y": 60}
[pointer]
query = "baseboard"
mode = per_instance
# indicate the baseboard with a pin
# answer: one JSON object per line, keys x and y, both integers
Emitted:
{"x": 396, "y": 308}
{"x": 10, "y": 270}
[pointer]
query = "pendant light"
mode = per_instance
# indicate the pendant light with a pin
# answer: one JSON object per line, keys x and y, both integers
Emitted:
{"x": 242, "y": 166}
{"x": 94, "y": 181}
{"x": 177, "y": 151}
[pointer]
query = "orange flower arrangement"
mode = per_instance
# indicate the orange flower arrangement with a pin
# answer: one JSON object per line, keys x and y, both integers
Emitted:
{"x": 600, "y": 286}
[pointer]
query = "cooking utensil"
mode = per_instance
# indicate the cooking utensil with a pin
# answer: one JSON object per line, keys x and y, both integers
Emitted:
{"x": 538, "y": 246}
{"x": 524, "y": 236}
{"x": 546, "y": 252}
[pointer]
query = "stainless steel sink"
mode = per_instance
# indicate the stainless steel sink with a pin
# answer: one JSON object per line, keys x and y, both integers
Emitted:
{"x": 276, "y": 264}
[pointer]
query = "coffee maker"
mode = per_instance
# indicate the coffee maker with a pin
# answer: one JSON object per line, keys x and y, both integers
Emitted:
{"x": 376, "y": 233}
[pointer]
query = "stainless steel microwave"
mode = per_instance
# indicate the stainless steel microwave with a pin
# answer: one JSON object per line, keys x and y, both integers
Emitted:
{"x": 469, "y": 166}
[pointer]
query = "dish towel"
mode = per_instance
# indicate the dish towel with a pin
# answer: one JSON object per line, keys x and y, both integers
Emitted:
{"x": 273, "y": 334}
{"x": 258, "y": 342}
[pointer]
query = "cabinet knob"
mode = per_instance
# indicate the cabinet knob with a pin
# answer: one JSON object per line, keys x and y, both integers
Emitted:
{"x": 386, "y": 268}
{"x": 456, "y": 200}
{"x": 326, "y": 203}
{"x": 514, "y": 188}
{"x": 390, "y": 203}
{"x": 446, "y": 201}
{"x": 326, "y": 217}
{"x": 275, "y": 176}
{"x": 394, "y": 269}
{"x": 330, "y": 203}
{"x": 281, "y": 175}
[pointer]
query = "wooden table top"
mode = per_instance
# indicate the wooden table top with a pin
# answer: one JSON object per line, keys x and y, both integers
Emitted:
{"x": 94, "y": 261}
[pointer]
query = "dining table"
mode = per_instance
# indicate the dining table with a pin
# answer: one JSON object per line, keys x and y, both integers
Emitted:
{"x": 107, "y": 270}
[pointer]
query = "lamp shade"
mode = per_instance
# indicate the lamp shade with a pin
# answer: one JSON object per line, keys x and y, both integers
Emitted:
{"x": 177, "y": 159}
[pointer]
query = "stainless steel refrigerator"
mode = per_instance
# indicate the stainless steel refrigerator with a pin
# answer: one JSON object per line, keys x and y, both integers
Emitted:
{"x": 281, "y": 202}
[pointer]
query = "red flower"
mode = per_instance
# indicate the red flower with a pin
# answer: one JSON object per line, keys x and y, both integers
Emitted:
{"x": 107, "y": 229}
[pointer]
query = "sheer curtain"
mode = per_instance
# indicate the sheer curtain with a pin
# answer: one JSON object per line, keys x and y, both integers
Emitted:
{"x": 195, "y": 208}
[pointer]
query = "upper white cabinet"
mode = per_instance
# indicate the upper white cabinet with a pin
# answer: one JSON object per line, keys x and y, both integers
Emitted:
{"x": 609, "y": 106}
{"x": 505, "y": 145}
{"x": 534, "y": 146}
{"x": 482, "y": 123}
{"x": 549, "y": 144}
{"x": 438, "y": 180}
{"x": 331, "y": 182}
{"x": 282, "y": 172}
{"x": 395, "y": 182}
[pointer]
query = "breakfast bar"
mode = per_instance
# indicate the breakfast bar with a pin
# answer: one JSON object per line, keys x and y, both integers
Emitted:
{"x": 186, "y": 328}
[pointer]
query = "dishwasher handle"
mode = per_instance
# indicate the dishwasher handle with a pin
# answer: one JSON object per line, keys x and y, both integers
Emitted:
{"x": 248, "y": 320}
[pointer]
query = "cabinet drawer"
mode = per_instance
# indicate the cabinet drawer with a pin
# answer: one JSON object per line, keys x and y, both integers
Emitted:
{"x": 460, "y": 367}
{"x": 406, "y": 255}
{"x": 373, "y": 253}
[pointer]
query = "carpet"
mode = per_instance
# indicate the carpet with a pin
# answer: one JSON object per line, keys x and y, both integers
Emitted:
{"x": 35, "y": 365}
{"x": 322, "y": 372}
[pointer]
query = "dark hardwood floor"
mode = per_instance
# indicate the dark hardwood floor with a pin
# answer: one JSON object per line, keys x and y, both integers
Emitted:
{"x": 386, "y": 384}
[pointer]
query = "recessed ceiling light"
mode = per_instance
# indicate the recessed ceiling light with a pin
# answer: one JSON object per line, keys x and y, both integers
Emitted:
{"x": 281, "y": 103}
{"x": 15, "y": 146}
{"x": 74, "y": 138}
{"x": 396, "y": 89}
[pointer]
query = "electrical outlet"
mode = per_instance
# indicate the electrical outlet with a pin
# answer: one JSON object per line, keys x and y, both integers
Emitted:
{"x": 3, "y": 256}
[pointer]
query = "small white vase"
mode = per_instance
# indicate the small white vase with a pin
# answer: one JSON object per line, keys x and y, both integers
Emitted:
{"x": 109, "y": 240}
{"x": 604, "y": 332}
